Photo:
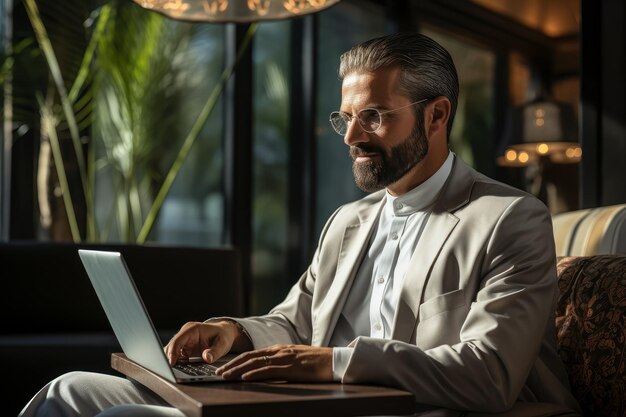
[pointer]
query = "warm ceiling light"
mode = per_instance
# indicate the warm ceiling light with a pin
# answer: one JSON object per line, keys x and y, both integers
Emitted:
{"x": 235, "y": 11}
{"x": 261, "y": 7}
{"x": 214, "y": 7}
{"x": 540, "y": 122}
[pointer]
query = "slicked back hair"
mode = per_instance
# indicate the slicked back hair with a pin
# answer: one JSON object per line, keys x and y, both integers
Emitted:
{"x": 427, "y": 69}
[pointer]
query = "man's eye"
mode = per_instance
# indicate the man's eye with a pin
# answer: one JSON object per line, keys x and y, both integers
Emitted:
{"x": 368, "y": 115}
{"x": 346, "y": 117}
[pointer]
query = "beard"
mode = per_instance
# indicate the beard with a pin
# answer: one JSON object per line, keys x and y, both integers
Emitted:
{"x": 374, "y": 175}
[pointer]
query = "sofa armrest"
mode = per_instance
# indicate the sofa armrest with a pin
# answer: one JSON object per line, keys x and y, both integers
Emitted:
{"x": 591, "y": 330}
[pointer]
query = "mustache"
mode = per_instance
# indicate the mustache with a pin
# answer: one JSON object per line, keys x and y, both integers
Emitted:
{"x": 363, "y": 149}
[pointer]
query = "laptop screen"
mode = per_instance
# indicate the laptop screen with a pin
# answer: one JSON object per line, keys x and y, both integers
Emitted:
{"x": 125, "y": 310}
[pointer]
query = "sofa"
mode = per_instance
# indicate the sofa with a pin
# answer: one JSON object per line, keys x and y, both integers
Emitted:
{"x": 591, "y": 308}
{"x": 591, "y": 331}
{"x": 591, "y": 231}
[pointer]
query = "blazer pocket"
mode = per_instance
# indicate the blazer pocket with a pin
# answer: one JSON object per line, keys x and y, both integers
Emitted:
{"x": 441, "y": 303}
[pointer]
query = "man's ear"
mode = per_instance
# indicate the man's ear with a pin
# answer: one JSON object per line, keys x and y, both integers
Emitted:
{"x": 437, "y": 115}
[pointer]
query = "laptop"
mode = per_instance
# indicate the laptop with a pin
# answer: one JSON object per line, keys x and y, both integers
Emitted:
{"x": 131, "y": 323}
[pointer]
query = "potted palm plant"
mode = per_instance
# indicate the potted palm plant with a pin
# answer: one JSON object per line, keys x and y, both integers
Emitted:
{"x": 118, "y": 114}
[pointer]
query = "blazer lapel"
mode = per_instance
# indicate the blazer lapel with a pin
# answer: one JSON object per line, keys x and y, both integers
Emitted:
{"x": 456, "y": 193}
{"x": 353, "y": 247}
{"x": 438, "y": 228}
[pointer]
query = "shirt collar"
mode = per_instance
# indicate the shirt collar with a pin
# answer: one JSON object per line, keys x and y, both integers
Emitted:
{"x": 421, "y": 196}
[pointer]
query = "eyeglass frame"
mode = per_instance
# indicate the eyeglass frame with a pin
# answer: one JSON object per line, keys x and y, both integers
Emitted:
{"x": 380, "y": 114}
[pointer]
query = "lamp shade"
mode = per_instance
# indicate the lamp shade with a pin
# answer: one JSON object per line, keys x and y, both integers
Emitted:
{"x": 541, "y": 128}
{"x": 235, "y": 11}
{"x": 544, "y": 121}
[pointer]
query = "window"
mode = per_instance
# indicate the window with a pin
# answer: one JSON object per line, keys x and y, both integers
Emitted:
{"x": 271, "y": 112}
{"x": 183, "y": 72}
{"x": 340, "y": 28}
{"x": 147, "y": 82}
{"x": 472, "y": 136}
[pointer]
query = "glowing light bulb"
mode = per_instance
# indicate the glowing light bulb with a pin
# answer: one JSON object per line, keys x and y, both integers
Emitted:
{"x": 510, "y": 155}
{"x": 523, "y": 157}
{"x": 261, "y": 7}
{"x": 543, "y": 148}
{"x": 213, "y": 7}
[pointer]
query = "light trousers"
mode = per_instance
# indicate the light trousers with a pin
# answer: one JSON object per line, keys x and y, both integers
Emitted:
{"x": 87, "y": 394}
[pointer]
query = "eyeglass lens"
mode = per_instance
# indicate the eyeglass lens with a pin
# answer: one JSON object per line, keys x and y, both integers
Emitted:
{"x": 369, "y": 119}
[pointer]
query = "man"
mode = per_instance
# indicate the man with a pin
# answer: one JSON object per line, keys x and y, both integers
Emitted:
{"x": 442, "y": 274}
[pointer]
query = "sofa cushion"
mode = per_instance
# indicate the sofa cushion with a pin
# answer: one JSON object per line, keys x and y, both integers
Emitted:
{"x": 592, "y": 231}
{"x": 591, "y": 331}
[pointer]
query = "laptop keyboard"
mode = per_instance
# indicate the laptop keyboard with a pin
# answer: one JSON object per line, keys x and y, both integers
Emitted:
{"x": 196, "y": 369}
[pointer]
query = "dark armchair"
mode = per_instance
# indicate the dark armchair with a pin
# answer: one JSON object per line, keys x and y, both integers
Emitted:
{"x": 51, "y": 321}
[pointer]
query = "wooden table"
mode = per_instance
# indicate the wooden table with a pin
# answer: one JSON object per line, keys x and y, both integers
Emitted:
{"x": 256, "y": 399}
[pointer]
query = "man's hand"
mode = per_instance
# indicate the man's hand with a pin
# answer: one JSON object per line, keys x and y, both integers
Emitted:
{"x": 284, "y": 362}
{"x": 210, "y": 340}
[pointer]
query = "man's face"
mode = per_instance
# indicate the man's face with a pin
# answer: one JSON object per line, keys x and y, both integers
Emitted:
{"x": 385, "y": 156}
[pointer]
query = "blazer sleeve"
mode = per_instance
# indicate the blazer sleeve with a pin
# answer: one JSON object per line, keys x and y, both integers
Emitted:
{"x": 501, "y": 335}
{"x": 290, "y": 322}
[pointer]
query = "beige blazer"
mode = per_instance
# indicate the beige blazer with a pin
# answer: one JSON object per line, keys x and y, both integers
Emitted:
{"x": 474, "y": 328}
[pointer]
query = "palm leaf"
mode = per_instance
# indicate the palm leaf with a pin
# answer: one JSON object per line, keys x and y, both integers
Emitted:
{"x": 72, "y": 61}
{"x": 123, "y": 80}
{"x": 191, "y": 138}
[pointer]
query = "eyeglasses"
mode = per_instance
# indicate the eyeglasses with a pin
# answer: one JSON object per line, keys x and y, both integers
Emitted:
{"x": 370, "y": 120}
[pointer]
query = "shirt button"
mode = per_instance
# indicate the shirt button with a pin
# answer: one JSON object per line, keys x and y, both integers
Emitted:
{"x": 394, "y": 236}
{"x": 399, "y": 205}
{"x": 377, "y": 326}
{"x": 381, "y": 280}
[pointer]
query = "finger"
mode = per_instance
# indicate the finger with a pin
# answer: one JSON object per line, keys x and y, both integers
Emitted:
{"x": 253, "y": 364}
{"x": 218, "y": 348}
{"x": 174, "y": 348}
{"x": 280, "y": 372}
{"x": 235, "y": 372}
{"x": 209, "y": 341}
{"x": 244, "y": 358}
{"x": 184, "y": 343}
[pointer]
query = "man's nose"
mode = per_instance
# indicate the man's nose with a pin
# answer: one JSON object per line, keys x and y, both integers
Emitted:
{"x": 355, "y": 134}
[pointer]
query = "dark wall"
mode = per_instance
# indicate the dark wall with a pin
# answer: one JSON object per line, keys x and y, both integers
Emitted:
{"x": 603, "y": 102}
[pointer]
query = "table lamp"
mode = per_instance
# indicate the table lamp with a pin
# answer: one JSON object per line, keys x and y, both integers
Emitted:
{"x": 234, "y": 11}
{"x": 538, "y": 132}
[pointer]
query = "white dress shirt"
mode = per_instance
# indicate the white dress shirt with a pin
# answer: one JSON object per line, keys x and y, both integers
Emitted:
{"x": 371, "y": 304}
